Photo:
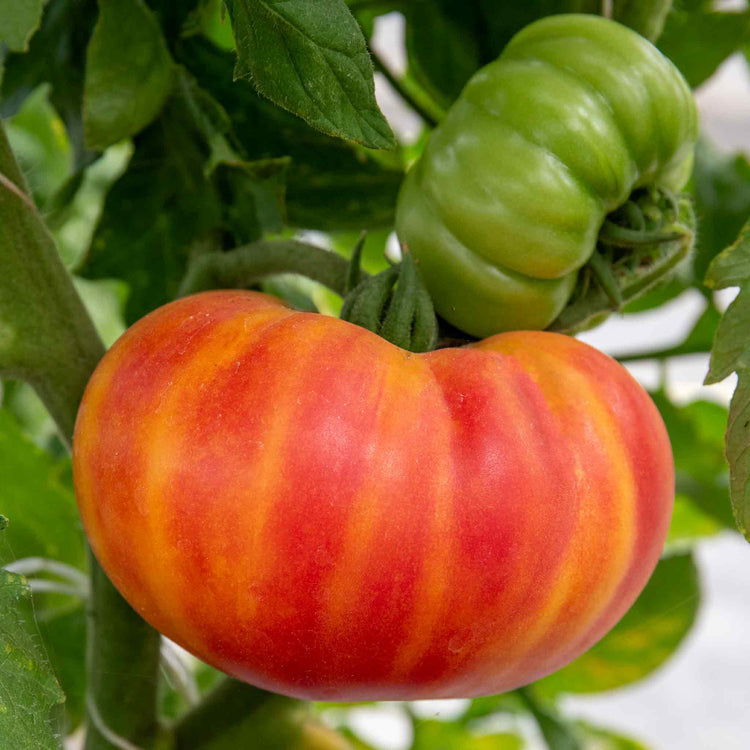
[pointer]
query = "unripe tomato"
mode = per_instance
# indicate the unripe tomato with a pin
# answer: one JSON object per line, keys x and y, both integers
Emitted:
{"x": 505, "y": 204}
{"x": 318, "y": 512}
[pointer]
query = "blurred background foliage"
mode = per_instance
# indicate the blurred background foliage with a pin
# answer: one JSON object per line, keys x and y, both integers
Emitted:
{"x": 207, "y": 164}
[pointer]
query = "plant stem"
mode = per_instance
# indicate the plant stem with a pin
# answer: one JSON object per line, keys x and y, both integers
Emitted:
{"x": 674, "y": 351}
{"x": 246, "y": 266}
{"x": 47, "y": 339}
{"x": 123, "y": 662}
{"x": 46, "y": 335}
{"x": 403, "y": 91}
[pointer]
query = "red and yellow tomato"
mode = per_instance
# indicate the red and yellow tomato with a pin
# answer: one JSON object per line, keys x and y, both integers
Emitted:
{"x": 315, "y": 511}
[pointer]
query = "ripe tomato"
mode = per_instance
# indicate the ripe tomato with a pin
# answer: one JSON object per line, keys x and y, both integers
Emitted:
{"x": 315, "y": 511}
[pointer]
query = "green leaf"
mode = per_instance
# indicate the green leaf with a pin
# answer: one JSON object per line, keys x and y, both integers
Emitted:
{"x": 698, "y": 41}
{"x": 214, "y": 24}
{"x": 30, "y": 696}
{"x": 701, "y": 471}
{"x": 443, "y": 735}
{"x": 36, "y": 493}
{"x": 330, "y": 184}
{"x": 37, "y": 137}
{"x": 721, "y": 189}
{"x": 129, "y": 73}
{"x": 162, "y": 210}
{"x": 731, "y": 352}
{"x": 644, "y": 639}
{"x": 311, "y": 59}
{"x": 252, "y": 193}
{"x": 732, "y": 266}
{"x": 57, "y": 55}
{"x": 738, "y": 452}
{"x": 19, "y": 19}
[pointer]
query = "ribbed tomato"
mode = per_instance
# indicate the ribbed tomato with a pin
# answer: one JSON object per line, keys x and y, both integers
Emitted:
{"x": 315, "y": 511}
{"x": 506, "y": 203}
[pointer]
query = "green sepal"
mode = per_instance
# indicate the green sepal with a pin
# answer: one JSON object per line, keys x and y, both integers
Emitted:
{"x": 640, "y": 246}
{"x": 365, "y": 304}
{"x": 355, "y": 264}
{"x": 395, "y": 305}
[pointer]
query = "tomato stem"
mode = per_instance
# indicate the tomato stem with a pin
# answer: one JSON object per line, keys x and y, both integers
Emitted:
{"x": 613, "y": 234}
{"x": 602, "y": 271}
{"x": 636, "y": 258}
{"x": 248, "y": 265}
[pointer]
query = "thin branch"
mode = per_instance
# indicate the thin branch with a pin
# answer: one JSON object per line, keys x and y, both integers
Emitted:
{"x": 660, "y": 354}
{"x": 245, "y": 266}
{"x": 403, "y": 91}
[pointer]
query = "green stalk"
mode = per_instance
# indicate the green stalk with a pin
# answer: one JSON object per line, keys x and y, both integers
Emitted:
{"x": 248, "y": 265}
{"x": 123, "y": 667}
{"x": 48, "y": 340}
{"x": 402, "y": 89}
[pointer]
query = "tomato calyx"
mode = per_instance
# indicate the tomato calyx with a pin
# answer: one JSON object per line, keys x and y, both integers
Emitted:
{"x": 394, "y": 303}
{"x": 640, "y": 244}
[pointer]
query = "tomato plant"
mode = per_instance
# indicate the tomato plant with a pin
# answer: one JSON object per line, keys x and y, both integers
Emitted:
{"x": 381, "y": 505}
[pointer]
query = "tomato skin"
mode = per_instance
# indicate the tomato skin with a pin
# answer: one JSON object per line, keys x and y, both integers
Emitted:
{"x": 315, "y": 511}
{"x": 505, "y": 204}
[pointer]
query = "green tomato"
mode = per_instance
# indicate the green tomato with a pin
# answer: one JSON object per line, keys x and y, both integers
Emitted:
{"x": 505, "y": 204}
